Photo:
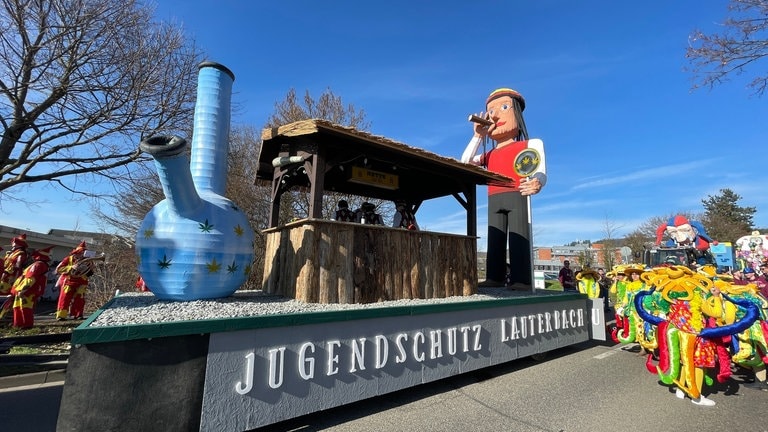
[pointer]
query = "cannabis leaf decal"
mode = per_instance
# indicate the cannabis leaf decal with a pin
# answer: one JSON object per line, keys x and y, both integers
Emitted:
{"x": 205, "y": 227}
{"x": 232, "y": 268}
{"x": 213, "y": 266}
{"x": 164, "y": 263}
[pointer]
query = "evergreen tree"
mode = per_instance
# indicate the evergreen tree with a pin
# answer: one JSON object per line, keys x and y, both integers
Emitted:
{"x": 724, "y": 219}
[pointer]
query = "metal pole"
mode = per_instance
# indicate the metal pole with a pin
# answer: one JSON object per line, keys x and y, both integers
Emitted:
{"x": 530, "y": 240}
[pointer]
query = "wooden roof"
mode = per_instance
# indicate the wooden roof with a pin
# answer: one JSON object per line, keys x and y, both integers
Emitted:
{"x": 421, "y": 175}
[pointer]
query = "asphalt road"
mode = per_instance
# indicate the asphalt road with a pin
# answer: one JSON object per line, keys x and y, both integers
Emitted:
{"x": 587, "y": 387}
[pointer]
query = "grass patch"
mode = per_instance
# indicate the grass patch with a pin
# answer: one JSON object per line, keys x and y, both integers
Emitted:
{"x": 25, "y": 350}
{"x": 553, "y": 285}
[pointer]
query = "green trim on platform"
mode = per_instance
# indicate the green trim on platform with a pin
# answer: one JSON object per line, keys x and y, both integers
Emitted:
{"x": 84, "y": 334}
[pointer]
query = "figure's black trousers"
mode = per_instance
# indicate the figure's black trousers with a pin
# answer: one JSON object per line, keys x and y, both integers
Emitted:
{"x": 508, "y": 225}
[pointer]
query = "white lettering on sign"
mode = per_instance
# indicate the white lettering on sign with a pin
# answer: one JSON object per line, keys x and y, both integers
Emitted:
{"x": 523, "y": 327}
{"x": 307, "y": 372}
{"x": 333, "y": 358}
{"x": 275, "y": 375}
{"x": 399, "y": 340}
{"x": 358, "y": 353}
{"x": 417, "y": 346}
{"x": 382, "y": 351}
{"x": 418, "y": 353}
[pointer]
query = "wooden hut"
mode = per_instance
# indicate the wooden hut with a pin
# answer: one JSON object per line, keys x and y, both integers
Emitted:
{"x": 325, "y": 261}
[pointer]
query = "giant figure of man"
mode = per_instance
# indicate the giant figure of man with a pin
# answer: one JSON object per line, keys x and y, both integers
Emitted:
{"x": 521, "y": 159}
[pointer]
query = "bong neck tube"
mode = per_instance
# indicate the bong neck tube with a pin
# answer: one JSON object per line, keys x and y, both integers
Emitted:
{"x": 172, "y": 163}
{"x": 210, "y": 138}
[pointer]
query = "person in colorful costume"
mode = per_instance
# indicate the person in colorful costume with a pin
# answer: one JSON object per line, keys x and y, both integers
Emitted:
{"x": 74, "y": 285}
{"x": 750, "y": 347}
{"x": 141, "y": 285}
{"x": 629, "y": 327}
{"x": 689, "y": 311}
{"x": 587, "y": 282}
{"x": 508, "y": 206}
{"x": 14, "y": 263}
{"x": 618, "y": 286}
{"x": 29, "y": 287}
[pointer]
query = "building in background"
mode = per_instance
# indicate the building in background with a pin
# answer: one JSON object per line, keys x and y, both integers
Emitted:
{"x": 550, "y": 259}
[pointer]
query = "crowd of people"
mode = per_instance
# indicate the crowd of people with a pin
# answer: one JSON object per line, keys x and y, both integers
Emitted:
{"x": 25, "y": 274}
{"x": 696, "y": 324}
{"x": 405, "y": 216}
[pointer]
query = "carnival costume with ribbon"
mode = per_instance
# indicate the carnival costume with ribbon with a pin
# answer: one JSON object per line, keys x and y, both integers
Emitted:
{"x": 688, "y": 312}
{"x": 76, "y": 272}
{"x": 14, "y": 263}
{"x": 587, "y": 283}
{"x": 29, "y": 287}
{"x": 629, "y": 327}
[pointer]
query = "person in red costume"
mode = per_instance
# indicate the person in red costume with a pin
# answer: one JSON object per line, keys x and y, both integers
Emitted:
{"x": 72, "y": 295}
{"x": 141, "y": 285}
{"x": 14, "y": 263}
{"x": 29, "y": 287}
{"x": 521, "y": 159}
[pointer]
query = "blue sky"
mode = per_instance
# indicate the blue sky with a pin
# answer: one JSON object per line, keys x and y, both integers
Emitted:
{"x": 626, "y": 138}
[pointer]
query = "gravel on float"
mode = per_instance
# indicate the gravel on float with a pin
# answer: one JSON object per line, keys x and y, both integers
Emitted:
{"x": 145, "y": 308}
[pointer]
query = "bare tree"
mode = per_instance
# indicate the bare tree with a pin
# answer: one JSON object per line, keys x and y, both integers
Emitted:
{"x": 137, "y": 193}
{"x": 81, "y": 83}
{"x": 742, "y": 43}
{"x": 118, "y": 271}
{"x": 638, "y": 241}
{"x": 253, "y": 198}
{"x": 327, "y": 107}
{"x": 610, "y": 229}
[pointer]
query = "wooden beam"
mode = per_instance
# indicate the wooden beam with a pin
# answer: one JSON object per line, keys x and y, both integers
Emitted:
{"x": 316, "y": 172}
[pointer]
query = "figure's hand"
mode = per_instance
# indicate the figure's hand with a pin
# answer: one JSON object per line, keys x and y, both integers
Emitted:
{"x": 529, "y": 186}
{"x": 480, "y": 130}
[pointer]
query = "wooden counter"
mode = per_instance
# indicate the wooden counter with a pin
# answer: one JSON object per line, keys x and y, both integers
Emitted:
{"x": 323, "y": 261}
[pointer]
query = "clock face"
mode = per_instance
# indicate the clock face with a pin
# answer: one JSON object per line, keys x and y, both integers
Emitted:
{"x": 527, "y": 162}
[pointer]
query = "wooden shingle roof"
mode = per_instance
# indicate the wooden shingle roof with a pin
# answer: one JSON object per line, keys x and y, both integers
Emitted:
{"x": 422, "y": 175}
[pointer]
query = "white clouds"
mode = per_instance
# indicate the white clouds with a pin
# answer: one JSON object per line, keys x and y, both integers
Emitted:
{"x": 648, "y": 176}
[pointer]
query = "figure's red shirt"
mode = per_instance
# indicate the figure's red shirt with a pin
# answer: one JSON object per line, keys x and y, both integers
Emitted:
{"x": 502, "y": 161}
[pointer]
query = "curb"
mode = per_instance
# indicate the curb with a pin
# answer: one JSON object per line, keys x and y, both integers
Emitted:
{"x": 32, "y": 379}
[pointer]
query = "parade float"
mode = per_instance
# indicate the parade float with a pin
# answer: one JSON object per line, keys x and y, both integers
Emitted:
{"x": 347, "y": 311}
{"x": 752, "y": 250}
